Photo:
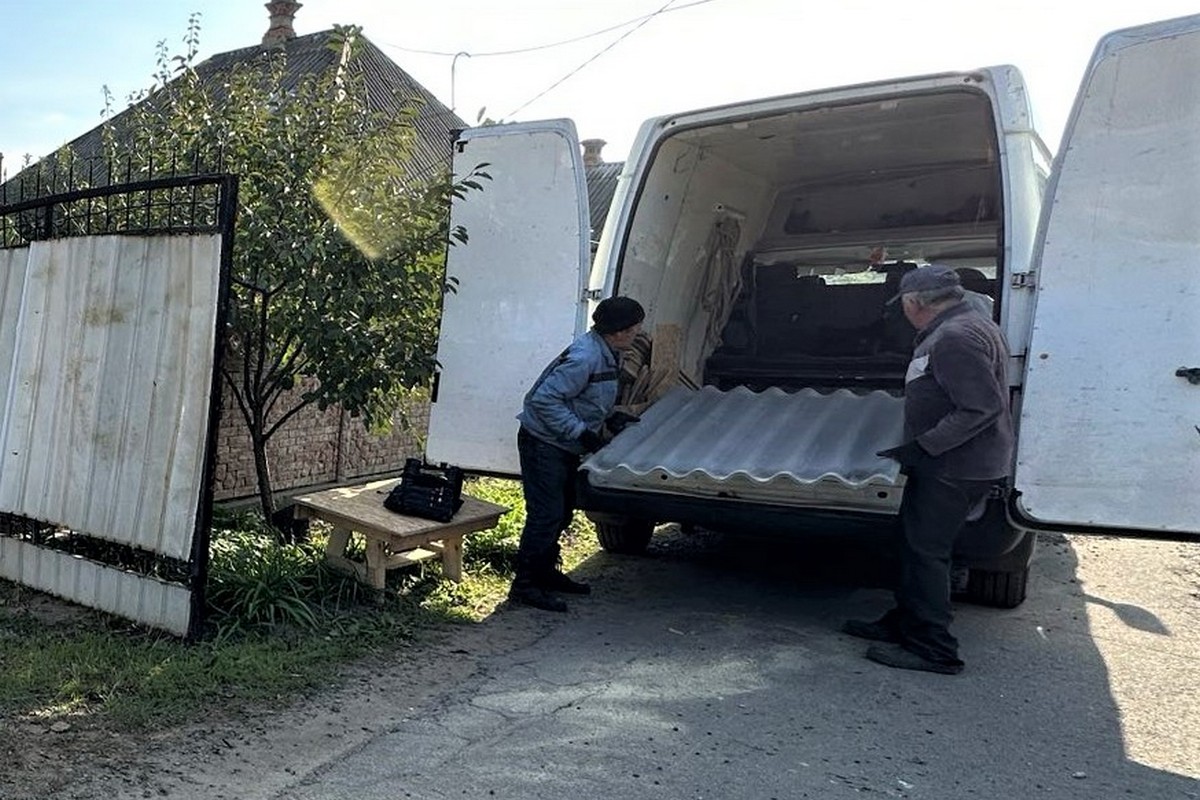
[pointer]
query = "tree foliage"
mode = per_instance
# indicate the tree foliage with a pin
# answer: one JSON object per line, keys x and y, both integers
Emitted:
{"x": 339, "y": 247}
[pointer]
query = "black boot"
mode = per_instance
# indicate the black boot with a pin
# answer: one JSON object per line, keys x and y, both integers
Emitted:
{"x": 524, "y": 591}
{"x": 556, "y": 581}
{"x": 884, "y": 629}
{"x": 894, "y": 655}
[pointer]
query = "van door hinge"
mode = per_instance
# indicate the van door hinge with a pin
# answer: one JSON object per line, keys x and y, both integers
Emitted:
{"x": 591, "y": 294}
{"x": 1022, "y": 280}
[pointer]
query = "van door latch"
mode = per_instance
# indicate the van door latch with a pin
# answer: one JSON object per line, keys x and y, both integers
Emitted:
{"x": 1191, "y": 373}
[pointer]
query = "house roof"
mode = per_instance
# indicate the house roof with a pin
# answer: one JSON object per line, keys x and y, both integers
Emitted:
{"x": 389, "y": 89}
{"x": 601, "y": 185}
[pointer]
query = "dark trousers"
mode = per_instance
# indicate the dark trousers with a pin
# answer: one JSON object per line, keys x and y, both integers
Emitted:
{"x": 548, "y": 483}
{"x": 932, "y": 514}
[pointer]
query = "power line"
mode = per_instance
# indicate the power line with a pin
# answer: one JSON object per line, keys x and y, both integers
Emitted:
{"x": 610, "y": 46}
{"x": 642, "y": 19}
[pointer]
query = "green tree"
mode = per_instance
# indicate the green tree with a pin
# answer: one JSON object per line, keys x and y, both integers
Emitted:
{"x": 339, "y": 248}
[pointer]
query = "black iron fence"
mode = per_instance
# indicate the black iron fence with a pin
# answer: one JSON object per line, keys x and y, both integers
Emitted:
{"x": 87, "y": 197}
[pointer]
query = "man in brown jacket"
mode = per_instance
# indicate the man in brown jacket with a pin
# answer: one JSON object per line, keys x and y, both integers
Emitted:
{"x": 958, "y": 445}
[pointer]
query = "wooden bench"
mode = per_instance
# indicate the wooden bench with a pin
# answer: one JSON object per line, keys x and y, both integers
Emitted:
{"x": 392, "y": 540}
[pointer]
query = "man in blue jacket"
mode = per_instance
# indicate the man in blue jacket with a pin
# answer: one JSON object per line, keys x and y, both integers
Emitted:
{"x": 958, "y": 445}
{"x": 561, "y": 420}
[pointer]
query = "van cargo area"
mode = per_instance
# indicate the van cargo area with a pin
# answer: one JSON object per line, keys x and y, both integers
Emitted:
{"x": 765, "y": 249}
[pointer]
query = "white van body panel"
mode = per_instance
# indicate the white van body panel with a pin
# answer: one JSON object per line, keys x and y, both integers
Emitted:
{"x": 1108, "y": 433}
{"x": 521, "y": 279}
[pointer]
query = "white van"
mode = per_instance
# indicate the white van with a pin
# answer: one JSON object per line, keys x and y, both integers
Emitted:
{"x": 764, "y": 238}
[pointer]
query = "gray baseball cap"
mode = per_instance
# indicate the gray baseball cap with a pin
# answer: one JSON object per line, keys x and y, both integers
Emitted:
{"x": 925, "y": 279}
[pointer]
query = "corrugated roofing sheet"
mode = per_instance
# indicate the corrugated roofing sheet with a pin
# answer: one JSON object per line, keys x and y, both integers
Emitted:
{"x": 802, "y": 448}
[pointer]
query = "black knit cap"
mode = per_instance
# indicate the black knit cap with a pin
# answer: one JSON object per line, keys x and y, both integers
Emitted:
{"x": 615, "y": 314}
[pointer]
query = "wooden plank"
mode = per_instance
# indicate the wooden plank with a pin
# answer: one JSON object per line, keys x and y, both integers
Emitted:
{"x": 410, "y": 557}
{"x": 665, "y": 361}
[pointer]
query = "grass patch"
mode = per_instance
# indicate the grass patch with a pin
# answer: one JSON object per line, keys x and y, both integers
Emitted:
{"x": 280, "y": 623}
{"x": 489, "y": 557}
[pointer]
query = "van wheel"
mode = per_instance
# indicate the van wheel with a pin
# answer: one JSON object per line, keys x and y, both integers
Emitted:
{"x": 997, "y": 589}
{"x": 627, "y": 537}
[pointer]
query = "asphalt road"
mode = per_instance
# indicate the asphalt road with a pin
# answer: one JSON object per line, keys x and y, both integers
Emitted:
{"x": 714, "y": 668}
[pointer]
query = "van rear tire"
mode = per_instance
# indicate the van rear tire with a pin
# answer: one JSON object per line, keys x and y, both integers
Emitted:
{"x": 997, "y": 589}
{"x": 626, "y": 537}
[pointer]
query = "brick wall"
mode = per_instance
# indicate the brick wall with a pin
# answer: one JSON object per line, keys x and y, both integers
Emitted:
{"x": 313, "y": 448}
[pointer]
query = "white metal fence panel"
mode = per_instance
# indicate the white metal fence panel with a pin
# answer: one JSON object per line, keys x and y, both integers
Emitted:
{"x": 12, "y": 280}
{"x": 107, "y": 404}
{"x": 137, "y": 597}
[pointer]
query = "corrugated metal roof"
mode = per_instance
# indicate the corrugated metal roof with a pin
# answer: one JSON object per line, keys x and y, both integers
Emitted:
{"x": 802, "y": 448}
{"x": 601, "y": 185}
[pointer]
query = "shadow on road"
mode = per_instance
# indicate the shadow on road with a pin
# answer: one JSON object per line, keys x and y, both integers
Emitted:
{"x": 713, "y": 667}
{"x": 738, "y": 640}
{"x": 1134, "y": 616}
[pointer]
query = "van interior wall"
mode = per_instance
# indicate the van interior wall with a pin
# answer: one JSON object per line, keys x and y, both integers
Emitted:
{"x": 669, "y": 264}
{"x": 834, "y": 202}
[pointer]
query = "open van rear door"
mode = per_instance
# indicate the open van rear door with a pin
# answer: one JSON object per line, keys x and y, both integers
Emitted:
{"x": 1110, "y": 417}
{"x": 520, "y": 295}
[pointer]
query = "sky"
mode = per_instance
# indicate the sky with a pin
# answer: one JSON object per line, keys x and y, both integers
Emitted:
{"x": 623, "y": 61}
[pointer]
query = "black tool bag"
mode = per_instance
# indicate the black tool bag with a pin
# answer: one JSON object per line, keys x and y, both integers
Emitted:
{"x": 427, "y": 491}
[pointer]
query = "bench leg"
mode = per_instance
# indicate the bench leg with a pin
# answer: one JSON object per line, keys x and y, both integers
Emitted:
{"x": 376, "y": 562}
{"x": 336, "y": 546}
{"x": 452, "y": 557}
{"x": 335, "y": 554}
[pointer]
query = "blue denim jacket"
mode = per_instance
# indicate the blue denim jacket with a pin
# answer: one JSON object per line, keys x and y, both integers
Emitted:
{"x": 576, "y": 392}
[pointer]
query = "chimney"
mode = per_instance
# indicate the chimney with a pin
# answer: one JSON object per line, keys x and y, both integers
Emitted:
{"x": 283, "y": 14}
{"x": 591, "y": 152}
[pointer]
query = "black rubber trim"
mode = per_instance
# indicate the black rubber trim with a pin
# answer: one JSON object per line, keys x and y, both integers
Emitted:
{"x": 1021, "y": 520}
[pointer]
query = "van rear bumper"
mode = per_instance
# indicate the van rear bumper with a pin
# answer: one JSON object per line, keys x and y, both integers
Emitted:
{"x": 989, "y": 543}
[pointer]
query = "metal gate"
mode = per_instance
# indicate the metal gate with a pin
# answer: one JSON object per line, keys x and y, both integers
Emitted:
{"x": 112, "y": 310}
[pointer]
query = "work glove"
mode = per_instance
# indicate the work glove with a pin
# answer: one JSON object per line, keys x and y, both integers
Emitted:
{"x": 909, "y": 454}
{"x": 620, "y": 420}
{"x": 590, "y": 441}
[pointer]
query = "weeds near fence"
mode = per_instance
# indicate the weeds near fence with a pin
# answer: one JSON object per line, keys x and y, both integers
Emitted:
{"x": 280, "y": 623}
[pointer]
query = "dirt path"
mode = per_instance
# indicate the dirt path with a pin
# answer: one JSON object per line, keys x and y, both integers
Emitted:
{"x": 254, "y": 754}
